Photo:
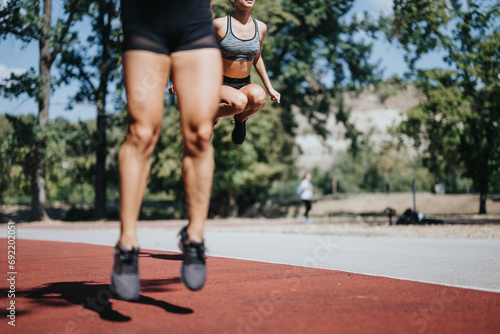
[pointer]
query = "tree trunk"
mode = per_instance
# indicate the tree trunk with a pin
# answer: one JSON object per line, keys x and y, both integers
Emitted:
{"x": 100, "y": 173}
{"x": 38, "y": 195}
{"x": 483, "y": 195}
{"x": 232, "y": 204}
{"x": 104, "y": 24}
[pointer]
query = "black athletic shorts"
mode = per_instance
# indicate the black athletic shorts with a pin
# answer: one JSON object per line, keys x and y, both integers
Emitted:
{"x": 236, "y": 83}
{"x": 167, "y": 26}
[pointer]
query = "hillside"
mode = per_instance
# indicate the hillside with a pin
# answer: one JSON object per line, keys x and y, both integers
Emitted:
{"x": 369, "y": 114}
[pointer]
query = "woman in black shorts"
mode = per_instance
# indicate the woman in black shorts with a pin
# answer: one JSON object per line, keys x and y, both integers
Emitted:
{"x": 162, "y": 39}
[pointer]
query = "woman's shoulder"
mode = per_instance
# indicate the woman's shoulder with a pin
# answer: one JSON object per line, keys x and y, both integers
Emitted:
{"x": 262, "y": 25}
{"x": 220, "y": 22}
{"x": 220, "y": 26}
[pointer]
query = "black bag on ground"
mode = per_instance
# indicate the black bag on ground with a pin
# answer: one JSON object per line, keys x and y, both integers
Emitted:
{"x": 408, "y": 218}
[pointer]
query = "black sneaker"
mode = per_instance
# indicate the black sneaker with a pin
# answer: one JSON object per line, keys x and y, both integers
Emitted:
{"x": 125, "y": 282}
{"x": 239, "y": 132}
{"x": 193, "y": 269}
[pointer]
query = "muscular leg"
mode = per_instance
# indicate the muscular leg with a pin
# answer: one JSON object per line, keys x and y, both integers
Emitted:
{"x": 198, "y": 71}
{"x": 232, "y": 101}
{"x": 256, "y": 97}
{"x": 146, "y": 74}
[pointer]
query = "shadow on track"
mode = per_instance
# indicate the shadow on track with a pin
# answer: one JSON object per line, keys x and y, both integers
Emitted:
{"x": 171, "y": 257}
{"x": 97, "y": 297}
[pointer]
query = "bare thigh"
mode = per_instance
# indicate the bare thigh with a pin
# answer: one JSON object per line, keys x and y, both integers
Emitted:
{"x": 233, "y": 101}
{"x": 197, "y": 76}
{"x": 146, "y": 75}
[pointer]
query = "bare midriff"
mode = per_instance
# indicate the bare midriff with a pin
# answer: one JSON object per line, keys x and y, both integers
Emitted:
{"x": 237, "y": 69}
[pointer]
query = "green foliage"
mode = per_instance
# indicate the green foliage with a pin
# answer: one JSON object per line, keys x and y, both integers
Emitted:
{"x": 24, "y": 21}
{"x": 8, "y": 174}
{"x": 458, "y": 123}
{"x": 389, "y": 88}
{"x": 417, "y": 25}
{"x": 387, "y": 169}
{"x": 94, "y": 64}
{"x": 17, "y": 147}
{"x": 5, "y": 130}
{"x": 322, "y": 181}
{"x": 435, "y": 124}
{"x": 18, "y": 84}
{"x": 5, "y": 127}
{"x": 166, "y": 167}
{"x": 69, "y": 155}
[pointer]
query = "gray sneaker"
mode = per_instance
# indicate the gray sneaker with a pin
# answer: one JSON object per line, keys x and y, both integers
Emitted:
{"x": 125, "y": 281}
{"x": 193, "y": 269}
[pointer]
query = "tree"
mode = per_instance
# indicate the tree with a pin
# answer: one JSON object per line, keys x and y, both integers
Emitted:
{"x": 459, "y": 120}
{"x": 434, "y": 125}
{"x": 95, "y": 74}
{"x": 30, "y": 21}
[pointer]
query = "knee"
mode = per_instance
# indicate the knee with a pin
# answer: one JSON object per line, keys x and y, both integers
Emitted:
{"x": 257, "y": 98}
{"x": 197, "y": 140}
{"x": 142, "y": 137}
{"x": 239, "y": 102}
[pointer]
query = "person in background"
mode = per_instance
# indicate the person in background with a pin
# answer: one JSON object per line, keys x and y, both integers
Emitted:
{"x": 306, "y": 195}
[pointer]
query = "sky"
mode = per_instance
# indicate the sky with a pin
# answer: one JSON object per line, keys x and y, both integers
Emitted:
{"x": 16, "y": 57}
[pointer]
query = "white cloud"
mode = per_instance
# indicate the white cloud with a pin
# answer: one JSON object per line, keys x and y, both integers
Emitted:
{"x": 5, "y": 71}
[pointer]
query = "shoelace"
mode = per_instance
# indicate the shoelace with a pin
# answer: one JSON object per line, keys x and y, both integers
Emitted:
{"x": 199, "y": 252}
{"x": 126, "y": 257}
{"x": 200, "y": 249}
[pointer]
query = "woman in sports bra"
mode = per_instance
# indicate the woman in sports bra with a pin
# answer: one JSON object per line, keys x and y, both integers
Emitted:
{"x": 240, "y": 38}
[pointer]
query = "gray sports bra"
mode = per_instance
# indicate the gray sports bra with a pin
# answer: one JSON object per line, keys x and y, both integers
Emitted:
{"x": 237, "y": 49}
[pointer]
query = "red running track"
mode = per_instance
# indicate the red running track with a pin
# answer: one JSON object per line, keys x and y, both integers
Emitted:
{"x": 63, "y": 288}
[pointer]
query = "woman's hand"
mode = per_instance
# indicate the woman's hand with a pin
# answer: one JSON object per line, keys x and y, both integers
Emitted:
{"x": 275, "y": 96}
